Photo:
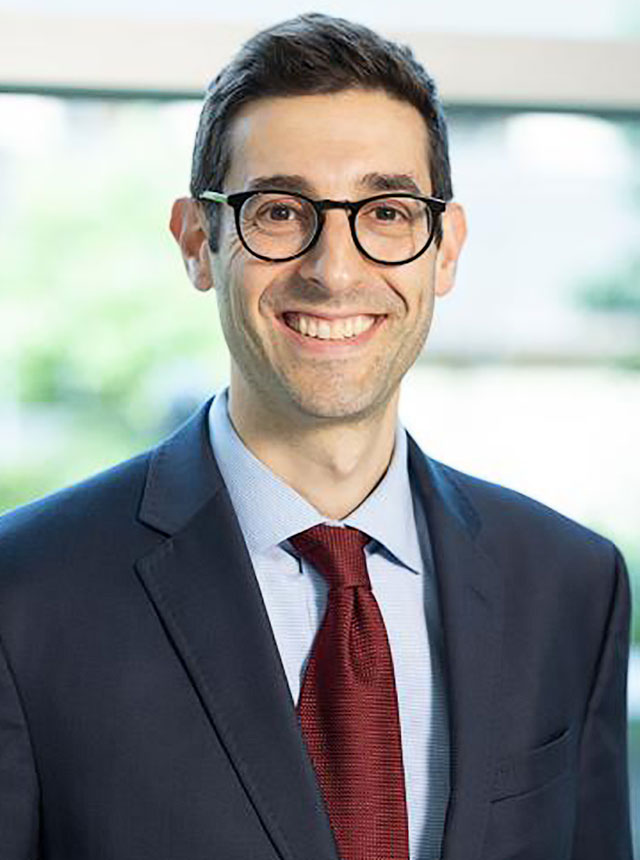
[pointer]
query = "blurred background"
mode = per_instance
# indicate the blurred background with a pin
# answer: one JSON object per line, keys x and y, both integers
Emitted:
{"x": 531, "y": 376}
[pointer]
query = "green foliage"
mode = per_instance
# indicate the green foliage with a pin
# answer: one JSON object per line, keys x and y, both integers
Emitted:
{"x": 631, "y": 551}
{"x": 618, "y": 291}
{"x": 94, "y": 296}
{"x": 98, "y": 318}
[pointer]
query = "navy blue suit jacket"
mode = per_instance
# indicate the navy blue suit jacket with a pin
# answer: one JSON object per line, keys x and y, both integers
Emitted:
{"x": 144, "y": 711}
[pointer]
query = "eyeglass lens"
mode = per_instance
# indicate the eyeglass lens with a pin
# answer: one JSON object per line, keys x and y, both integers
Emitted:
{"x": 281, "y": 225}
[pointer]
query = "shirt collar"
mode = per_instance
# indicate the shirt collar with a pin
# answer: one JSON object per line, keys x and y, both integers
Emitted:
{"x": 270, "y": 511}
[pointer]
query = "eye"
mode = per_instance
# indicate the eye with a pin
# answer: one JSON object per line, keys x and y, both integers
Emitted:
{"x": 269, "y": 211}
{"x": 390, "y": 211}
{"x": 384, "y": 212}
{"x": 279, "y": 212}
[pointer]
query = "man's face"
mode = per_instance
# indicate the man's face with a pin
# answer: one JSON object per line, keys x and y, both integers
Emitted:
{"x": 340, "y": 146}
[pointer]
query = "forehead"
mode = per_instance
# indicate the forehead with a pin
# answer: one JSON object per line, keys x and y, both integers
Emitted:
{"x": 330, "y": 139}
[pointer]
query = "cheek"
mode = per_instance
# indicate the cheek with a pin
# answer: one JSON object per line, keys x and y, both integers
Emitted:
{"x": 244, "y": 285}
{"x": 234, "y": 250}
{"x": 422, "y": 288}
{"x": 416, "y": 294}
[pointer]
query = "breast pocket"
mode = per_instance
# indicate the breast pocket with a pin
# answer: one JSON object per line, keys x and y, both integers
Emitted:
{"x": 533, "y": 803}
{"x": 529, "y": 770}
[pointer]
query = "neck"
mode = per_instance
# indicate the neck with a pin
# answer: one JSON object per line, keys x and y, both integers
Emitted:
{"x": 333, "y": 465}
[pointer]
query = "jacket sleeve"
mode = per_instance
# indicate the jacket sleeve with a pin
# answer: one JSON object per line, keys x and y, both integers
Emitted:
{"x": 603, "y": 821}
{"x": 19, "y": 793}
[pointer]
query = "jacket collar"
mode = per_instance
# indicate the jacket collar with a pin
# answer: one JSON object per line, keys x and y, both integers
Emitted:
{"x": 183, "y": 476}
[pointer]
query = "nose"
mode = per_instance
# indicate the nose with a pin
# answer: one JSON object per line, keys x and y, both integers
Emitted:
{"x": 334, "y": 261}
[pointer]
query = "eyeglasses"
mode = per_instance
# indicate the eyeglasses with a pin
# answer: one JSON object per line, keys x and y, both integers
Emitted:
{"x": 278, "y": 226}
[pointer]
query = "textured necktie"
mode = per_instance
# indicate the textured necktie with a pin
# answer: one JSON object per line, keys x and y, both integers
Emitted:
{"x": 348, "y": 708}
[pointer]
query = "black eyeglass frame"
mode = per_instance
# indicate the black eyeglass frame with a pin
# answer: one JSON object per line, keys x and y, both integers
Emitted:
{"x": 238, "y": 199}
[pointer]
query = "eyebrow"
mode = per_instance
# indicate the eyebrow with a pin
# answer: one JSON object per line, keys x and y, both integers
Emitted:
{"x": 371, "y": 181}
{"x": 281, "y": 181}
{"x": 391, "y": 182}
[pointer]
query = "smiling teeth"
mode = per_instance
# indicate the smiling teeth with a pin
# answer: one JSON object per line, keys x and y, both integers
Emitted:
{"x": 325, "y": 330}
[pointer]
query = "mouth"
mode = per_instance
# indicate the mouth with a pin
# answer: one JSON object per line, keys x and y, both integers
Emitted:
{"x": 331, "y": 334}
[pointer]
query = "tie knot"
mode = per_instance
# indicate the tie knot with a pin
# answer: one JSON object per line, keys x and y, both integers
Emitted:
{"x": 337, "y": 553}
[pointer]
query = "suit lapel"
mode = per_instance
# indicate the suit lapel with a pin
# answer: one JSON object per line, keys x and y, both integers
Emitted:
{"x": 202, "y": 584}
{"x": 470, "y": 591}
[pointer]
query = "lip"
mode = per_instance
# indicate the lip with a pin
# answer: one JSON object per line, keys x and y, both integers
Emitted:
{"x": 319, "y": 346}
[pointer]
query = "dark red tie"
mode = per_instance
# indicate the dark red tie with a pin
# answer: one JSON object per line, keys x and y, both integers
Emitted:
{"x": 348, "y": 708}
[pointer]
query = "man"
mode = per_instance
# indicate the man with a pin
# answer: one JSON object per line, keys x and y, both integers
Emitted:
{"x": 286, "y": 632}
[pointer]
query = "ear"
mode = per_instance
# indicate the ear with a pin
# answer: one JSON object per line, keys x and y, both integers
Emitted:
{"x": 189, "y": 229}
{"x": 454, "y": 233}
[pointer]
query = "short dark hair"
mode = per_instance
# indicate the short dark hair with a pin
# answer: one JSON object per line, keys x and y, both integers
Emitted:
{"x": 307, "y": 55}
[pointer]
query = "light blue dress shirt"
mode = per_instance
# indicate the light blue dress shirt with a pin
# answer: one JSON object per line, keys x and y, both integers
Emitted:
{"x": 399, "y": 563}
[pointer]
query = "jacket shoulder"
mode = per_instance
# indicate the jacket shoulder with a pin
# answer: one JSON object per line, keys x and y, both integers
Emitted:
{"x": 63, "y": 523}
{"x": 542, "y": 551}
{"x": 507, "y": 518}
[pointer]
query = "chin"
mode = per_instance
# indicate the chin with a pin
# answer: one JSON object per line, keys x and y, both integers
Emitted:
{"x": 339, "y": 405}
